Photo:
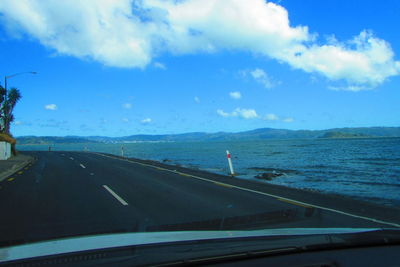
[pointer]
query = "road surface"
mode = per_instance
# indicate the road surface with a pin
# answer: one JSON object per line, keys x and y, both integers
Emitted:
{"x": 80, "y": 193}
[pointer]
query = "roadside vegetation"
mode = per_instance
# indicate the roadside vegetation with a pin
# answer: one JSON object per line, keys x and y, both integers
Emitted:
{"x": 8, "y": 100}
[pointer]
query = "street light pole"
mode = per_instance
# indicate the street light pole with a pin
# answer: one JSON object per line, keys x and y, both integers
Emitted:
{"x": 16, "y": 74}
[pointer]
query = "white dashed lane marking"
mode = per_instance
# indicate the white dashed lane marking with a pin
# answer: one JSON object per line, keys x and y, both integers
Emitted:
{"x": 123, "y": 202}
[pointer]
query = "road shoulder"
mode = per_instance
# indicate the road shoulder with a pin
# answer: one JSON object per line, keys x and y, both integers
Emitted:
{"x": 13, "y": 165}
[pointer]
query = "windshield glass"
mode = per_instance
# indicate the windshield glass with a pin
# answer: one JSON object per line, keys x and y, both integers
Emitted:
{"x": 142, "y": 116}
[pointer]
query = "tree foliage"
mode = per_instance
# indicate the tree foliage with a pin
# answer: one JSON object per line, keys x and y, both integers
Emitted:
{"x": 8, "y": 100}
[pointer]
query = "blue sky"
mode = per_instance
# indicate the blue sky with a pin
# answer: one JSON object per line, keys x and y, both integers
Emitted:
{"x": 116, "y": 68}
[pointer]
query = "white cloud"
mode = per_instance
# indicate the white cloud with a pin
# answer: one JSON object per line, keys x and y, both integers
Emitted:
{"x": 128, "y": 33}
{"x": 159, "y": 65}
{"x": 125, "y": 120}
{"x": 17, "y": 122}
{"x": 146, "y": 121}
{"x": 262, "y": 77}
{"x": 235, "y": 95}
{"x": 363, "y": 62}
{"x": 50, "y": 107}
{"x": 196, "y": 99}
{"x": 271, "y": 117}
{"x": 251, "y": 114}
{"x": 239, "y": 112}
{"x": 127, "y": 106}
{"x": 246, "y": 113}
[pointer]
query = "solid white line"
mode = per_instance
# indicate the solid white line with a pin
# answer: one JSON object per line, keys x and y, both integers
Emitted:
{"x": 262, "y": 193}
{"x": 123, "y": 202}
{"x": 83, "y": 166}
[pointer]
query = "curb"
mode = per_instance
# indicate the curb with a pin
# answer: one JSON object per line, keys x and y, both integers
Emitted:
{"x": 15, "y": 168}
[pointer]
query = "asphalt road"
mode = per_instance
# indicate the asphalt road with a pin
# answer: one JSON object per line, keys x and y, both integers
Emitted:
{"x": 76, "y": 193}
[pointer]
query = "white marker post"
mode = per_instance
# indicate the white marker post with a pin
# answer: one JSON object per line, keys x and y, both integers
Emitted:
{"x": 228, "y": 155}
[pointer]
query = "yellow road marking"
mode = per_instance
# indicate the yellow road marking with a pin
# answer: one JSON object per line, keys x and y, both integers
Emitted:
{"x": 184, "y": 174}
{"x": 224, "y": 185}
{"x": 10, "y": 179}
{"x": 293, "y": 202}
{"x": 21, "y": 172}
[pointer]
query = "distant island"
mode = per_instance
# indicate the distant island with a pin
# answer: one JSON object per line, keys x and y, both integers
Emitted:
{"x": 257, "y": 134}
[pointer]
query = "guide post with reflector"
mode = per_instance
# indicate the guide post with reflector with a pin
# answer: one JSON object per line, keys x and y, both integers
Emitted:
{"x": 228, "y": 155}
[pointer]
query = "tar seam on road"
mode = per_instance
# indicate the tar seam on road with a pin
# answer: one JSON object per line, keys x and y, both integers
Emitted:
{"x": 123, "y": 202}
{"x": 291, "y": 201}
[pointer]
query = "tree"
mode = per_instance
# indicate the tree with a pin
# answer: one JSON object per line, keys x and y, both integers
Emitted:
{"x": 8, "y": 100}
{"x": 9, "y": 103}
{"x": 3, "y": 93}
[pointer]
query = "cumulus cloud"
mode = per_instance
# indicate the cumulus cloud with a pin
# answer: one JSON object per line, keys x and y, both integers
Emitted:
{"x": 363, "y": 62}
{"x": 251, "y": 114}
{"x": 127, "y": 106}
{"x": 196, "y": 99}
{"x": 239, "y": 112}
{"x": 271, "y": 117}
{"x": 260, "y": 76}
{"x": 246, "y": 113}
{"x": 146, "y": 121}
{"x": 127, "y": 33}
{"x": 235, "y": 95}
{"x": 51, "y": 107}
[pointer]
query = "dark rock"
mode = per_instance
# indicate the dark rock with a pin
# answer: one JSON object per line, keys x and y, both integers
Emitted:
{"x": 268, "y": 175}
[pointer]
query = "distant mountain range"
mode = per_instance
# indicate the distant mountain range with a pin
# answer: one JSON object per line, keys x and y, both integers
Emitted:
{"x": 257, "y": 134}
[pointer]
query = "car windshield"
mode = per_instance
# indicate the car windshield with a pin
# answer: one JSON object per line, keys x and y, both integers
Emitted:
{"x": 158, "y": 116}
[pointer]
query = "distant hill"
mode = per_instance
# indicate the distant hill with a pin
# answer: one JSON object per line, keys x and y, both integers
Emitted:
{"x": 257, "y": 134}
{"x": 37, "y": 140}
